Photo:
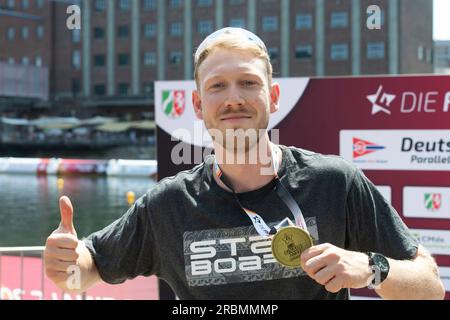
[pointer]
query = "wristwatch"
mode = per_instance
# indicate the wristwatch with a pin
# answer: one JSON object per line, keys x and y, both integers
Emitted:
{"x": 380, "y": 268}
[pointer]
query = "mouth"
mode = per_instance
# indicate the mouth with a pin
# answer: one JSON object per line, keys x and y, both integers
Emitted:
{"x": 235, "y": 117}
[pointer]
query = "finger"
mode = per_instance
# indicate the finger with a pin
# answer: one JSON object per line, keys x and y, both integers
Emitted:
{"x": 313, "y": 265}
{"x": 324, "y": 275}
{"x": 58, "y": 265}
{"x": 312, "y": 252}
{"x": 66, "y": 210}
{"x": 334, "y": 285}
{"x": 62, "y": 240}
{"x": 68, "y": 255}
{"x": 56, "y": 276}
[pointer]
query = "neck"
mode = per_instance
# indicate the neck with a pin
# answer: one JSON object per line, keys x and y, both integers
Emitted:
{"x": 246, "y": 170}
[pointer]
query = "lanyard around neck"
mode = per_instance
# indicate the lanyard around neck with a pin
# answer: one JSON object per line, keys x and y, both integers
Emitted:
{"x": 258, "y": 222}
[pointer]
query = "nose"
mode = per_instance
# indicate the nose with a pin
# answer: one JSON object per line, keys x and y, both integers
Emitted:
{"x": 234, "y": 97}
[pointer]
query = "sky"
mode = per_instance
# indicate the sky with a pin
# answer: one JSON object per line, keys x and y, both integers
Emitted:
{"x": 441, "y": 29}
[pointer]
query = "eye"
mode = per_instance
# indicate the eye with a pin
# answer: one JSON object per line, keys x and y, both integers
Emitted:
{"x": 217, "y": 85}
{"x": 249, "y": 83}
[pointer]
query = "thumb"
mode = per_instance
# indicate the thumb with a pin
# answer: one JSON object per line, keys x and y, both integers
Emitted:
{"x": 66, "y": 209}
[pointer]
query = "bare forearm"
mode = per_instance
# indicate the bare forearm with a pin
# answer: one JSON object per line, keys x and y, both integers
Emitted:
{"x": 412, "y": 280}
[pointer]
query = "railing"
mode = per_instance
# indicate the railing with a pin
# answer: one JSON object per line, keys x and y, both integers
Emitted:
{"x": 22, "y": 277}
{"x": 25, "y": 252}
{"x": 21, "y": 251}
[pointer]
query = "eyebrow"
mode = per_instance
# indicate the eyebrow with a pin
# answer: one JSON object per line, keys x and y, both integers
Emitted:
{"x": 245, "y": 74}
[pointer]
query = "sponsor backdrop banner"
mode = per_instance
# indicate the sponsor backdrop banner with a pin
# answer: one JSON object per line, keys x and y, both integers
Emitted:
{"x": 395, "y": 128}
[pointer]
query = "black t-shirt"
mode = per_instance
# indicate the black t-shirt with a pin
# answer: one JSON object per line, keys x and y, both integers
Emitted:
{"x": 192, "y": 233}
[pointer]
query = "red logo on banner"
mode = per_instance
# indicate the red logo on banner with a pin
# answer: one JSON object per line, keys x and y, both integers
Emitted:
{"x": 362, "y": 147}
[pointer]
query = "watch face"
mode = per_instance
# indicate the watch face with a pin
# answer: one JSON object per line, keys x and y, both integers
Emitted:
{"x": 381, "y": 262}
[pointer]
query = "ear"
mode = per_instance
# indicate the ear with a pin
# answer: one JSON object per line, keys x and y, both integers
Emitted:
{"x": 274, "y": 97}
{"x": 197, "y": 103}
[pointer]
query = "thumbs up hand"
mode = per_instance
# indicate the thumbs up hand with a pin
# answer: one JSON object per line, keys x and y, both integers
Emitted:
{"x": 66, "y": 210}
{"x": 62, "y": 247}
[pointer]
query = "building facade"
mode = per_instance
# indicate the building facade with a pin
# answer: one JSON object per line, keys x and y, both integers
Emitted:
{"x": 123, "y": 46}
{"x": 442, "y": 57}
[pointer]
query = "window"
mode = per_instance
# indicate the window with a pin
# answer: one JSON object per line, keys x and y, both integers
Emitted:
{"x": 375, "y": 50}
{"x": 175, "y": 4}
{"x": 148, "y": 88}
{"x": 76, "y": 59}
{"x": 339, "y": 51}
{"x": 10, "y": 33}
{"x": 339, "y": 19}
{"x": 303, "y": 51}
{"x": 150, "y": 30}
{"x": 150, "y": 58}
{"x": 76, "y": 86}
{"x": 40, "y": 32}
{"x": 421, "y": 53}
{"x": 76, "y": 35}
{"x": 236, "y": 2}
{"x": 237, "y": 23}
{"x": 38, "y": 61}
{"x": 123, "y": 31}
{"x": 123, "y": 88}
{"x": 149, "y": 4}
{"x": 270, "y": 24}
{"x": 204, "y": 3}
{"x": 25, "y": 61}
{"x": 303, "y": 21}
{"x": 25, "y": 4}
{"x": 123, "y": 59}
{"x": 99, "y": 90}
{"x": 205, "y": 27}
{"x": 99, "y": 60}
{"x": 100, "y": 5}
{"x": 99, "y": 33}
{"x": 25, "y": 32}
{"x": 124, "y": 5}
{"x": 175, "y": 29}
{"x": 429, "y": 55}
{"x": 11, "y": 4}
{"x": 39, "y": 4}
{"x": 175, "y": 57}
{"x": 273, "y": 54}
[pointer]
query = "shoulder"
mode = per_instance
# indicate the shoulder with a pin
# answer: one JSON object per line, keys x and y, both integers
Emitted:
{"x": 175, "y": 187}
{"x": 320, "y": 165}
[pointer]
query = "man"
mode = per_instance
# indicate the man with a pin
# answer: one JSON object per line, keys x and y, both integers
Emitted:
{"x": 208, "y": 231}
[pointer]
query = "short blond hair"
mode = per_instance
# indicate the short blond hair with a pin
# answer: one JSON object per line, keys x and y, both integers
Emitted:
{"x": 232, "y": 39}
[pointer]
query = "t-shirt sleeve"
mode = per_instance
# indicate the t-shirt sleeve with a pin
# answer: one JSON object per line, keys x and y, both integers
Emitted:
{"x": 373, "y": 224}
{"x": 123, "y": 250}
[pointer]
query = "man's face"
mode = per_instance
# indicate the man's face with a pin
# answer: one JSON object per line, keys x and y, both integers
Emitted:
{"x": 234, "y": 93}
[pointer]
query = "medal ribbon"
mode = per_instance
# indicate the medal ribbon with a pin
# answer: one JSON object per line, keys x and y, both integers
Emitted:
{"x": 258, "y": 222}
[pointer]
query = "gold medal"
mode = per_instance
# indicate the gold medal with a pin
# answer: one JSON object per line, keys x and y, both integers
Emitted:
{"x": 288, "y": 244}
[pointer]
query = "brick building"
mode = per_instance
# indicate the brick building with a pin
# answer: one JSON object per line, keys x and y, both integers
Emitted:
{"x": 125, "y": 45}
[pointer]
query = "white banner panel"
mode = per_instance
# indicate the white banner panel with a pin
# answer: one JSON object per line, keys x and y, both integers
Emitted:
{"x": 444, "y": 273}
{"x": 174, "y": 111}
{"x": 426, "y": 202}
{"x": 436, "y": 241}
{"x": 424, "y": 150}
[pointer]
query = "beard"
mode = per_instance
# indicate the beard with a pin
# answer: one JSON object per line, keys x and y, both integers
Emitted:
{"x": 238, "y": 138}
